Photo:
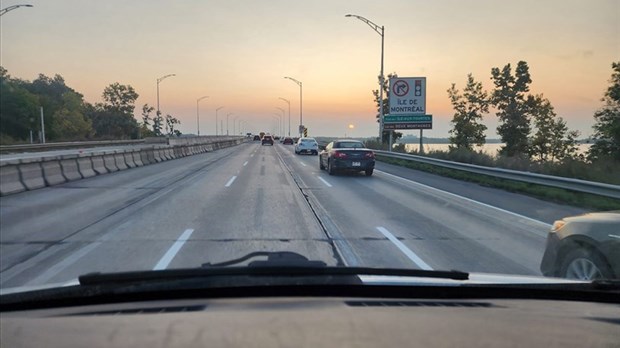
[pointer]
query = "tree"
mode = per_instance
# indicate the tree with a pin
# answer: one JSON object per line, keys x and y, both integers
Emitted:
{"x": 121, "y": 98}
{"x": 69, "y": 120}
{"x": 469, "y": 108}
{"x": 386, "y": 107}
{"x": 146, "y": 119}
{"x": 607, "y": 121}
{"x": 114, "y": 118}
{"x": 552, "y": 140}
{"x": 171, "y": 122}
{"x": 19, "y": 108}
{"x": 511, "y": 101}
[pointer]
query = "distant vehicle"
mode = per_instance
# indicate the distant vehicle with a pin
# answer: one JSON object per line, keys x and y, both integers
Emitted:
{"x": 307, "y": 145}
{"x": 351, "y": 155}
{"x": 267, "y": 139}
{"x": 277, "y": 137}
{"x": 256, "y": 137}
{"x": 262, "y": 134}
{"x": 584, "y": 247}
{"x": 288, "y": 141}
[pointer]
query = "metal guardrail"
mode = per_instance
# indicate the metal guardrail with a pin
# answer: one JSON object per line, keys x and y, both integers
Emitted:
{"x": 596, "y": 188}
{"x": 67, "y": 145}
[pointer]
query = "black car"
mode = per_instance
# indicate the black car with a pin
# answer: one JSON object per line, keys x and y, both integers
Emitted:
{"x": 267, "y": 139}
{"x": 257, "y": 137}
{"x": 288, "y": 141}
{"x": 350, "y": 155}
{"x": 584, "y": 247}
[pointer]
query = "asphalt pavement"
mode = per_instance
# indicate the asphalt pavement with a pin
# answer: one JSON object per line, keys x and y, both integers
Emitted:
{"x": 224, "y": 204}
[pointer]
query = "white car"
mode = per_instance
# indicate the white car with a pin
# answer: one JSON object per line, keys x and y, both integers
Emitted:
{"x": 307, "y": 145}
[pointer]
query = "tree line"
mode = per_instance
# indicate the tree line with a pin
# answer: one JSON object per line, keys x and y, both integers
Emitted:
{"x": 68, "y": 117}
{"x": 528, "y": 124}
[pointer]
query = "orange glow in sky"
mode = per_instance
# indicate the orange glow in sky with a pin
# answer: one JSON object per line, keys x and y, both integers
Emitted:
{"x": 237, "y": 53}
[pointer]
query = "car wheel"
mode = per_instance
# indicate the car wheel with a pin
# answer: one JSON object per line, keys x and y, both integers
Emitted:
{"x": 584, "y": 264}
{"x": 321, "y": 166}
{"x": 369, "y": 171}
{"x": 330, "y": 169}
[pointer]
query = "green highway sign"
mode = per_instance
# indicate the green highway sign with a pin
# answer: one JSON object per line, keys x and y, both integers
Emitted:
{"x": 408, "y": 119}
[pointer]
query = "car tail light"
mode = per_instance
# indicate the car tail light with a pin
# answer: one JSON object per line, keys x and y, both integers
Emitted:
{"x": 338, "y": 154}
{"x": 369, "y": 155}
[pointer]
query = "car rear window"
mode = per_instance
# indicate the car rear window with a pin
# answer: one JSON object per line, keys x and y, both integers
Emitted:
{"x": 349, "y": 145}
{"x": 308, "y": 141}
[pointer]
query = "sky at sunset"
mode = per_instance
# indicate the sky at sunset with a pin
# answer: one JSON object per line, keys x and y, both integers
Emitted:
{"x": 238, "y": 52}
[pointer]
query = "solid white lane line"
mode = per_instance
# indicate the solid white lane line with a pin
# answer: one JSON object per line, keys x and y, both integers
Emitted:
{"x": 410, "y": 254}
{"x": 325, "y": 182}
{"x": 245, "y": 164}
{"x": 174, "y": 249}
{"x": 465, "y": 198}
{"x": 302, "y": 163}
{"x": 230, "y": 181}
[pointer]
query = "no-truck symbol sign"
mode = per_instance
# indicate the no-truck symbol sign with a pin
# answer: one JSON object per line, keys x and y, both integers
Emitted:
{"x": 401, "y": 88}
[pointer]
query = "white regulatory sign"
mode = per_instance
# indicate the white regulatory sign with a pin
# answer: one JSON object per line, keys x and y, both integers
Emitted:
{"x": 407, "y": 96}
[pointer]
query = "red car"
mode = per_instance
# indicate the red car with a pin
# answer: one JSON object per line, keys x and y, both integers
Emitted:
{"x": 288, "y": 141}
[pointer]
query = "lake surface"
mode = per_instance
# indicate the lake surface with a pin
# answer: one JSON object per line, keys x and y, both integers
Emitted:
{"x": 490, "y": 149}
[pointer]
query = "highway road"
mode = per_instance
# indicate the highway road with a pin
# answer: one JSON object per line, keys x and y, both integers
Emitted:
{"x": 224, "y": 204}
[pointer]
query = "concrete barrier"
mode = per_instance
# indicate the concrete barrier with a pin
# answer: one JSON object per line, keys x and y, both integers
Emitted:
{"x": 150, "y": 153}
{"x": 52, "y": 172}
{"x": 129, "y": 159}
{"x": 119, "y": 159}
{"x": 170, "y": 153}
{"x": 9, "y": 179}
{"x": 157, "y": 154}
{"x": 31, "y": 174}
{"x": 178, "y": 152}
{"x": 70, "y": 168}
{"x": 99, "y": 165}
{"x": 137, "y": 159}
{"x": 85, "y": 165}
{"x": 109, "y": 162}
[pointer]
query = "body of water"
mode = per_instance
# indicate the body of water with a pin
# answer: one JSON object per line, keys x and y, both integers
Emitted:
{"x": 490, "y": 149}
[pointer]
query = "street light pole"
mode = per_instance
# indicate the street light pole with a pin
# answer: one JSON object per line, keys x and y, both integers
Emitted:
{"x": 216, "y": 110}
{"x": 381, "y": 31}
{"x": 227, "y": 116}
{"x": 235, "y": 125}
{"x": 300, "y": 103}
{"x": 10, "y": 8}
{"x": 198, "y": 112}
{"x": 282, "y": 120}
{"x": 158, "y": 112}
{"x": 289, "y": 115}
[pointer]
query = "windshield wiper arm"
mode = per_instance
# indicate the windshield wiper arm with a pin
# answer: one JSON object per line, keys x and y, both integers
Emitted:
{"x": 278, "y": 264}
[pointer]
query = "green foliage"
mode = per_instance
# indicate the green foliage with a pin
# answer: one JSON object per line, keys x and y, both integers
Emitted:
{"x": 146, "y": 122}
{"x": 385, "y": 137}
{"x": 607, "y": 127}
{"x": 552, "y": 140}
{"x": 69, "y": 121}
{"x": 511, "y": 101}
{"x": 469, "y": 108}
{"x": 172, "y": 122}
{"x": 62, "y": 106}
{"x": 114, "y": 119}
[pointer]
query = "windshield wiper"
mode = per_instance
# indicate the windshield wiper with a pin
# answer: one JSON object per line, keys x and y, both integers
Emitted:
{"x": 277, "y": 264}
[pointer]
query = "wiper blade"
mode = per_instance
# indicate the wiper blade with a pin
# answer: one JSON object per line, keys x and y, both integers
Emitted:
{"x": 278, "y": 264}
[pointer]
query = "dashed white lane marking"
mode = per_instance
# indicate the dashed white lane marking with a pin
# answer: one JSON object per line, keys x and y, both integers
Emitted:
{"x": 174, "y": 249}
{"x": 410, "y": 254}
{"x": 325, "y": 182}
{"x": 302, "y": 163}
{"x": 245, "y": 164}
{"x": 230, "y": 181}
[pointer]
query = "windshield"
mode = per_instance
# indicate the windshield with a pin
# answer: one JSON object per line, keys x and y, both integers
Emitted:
{"x": 132, "y": 136}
